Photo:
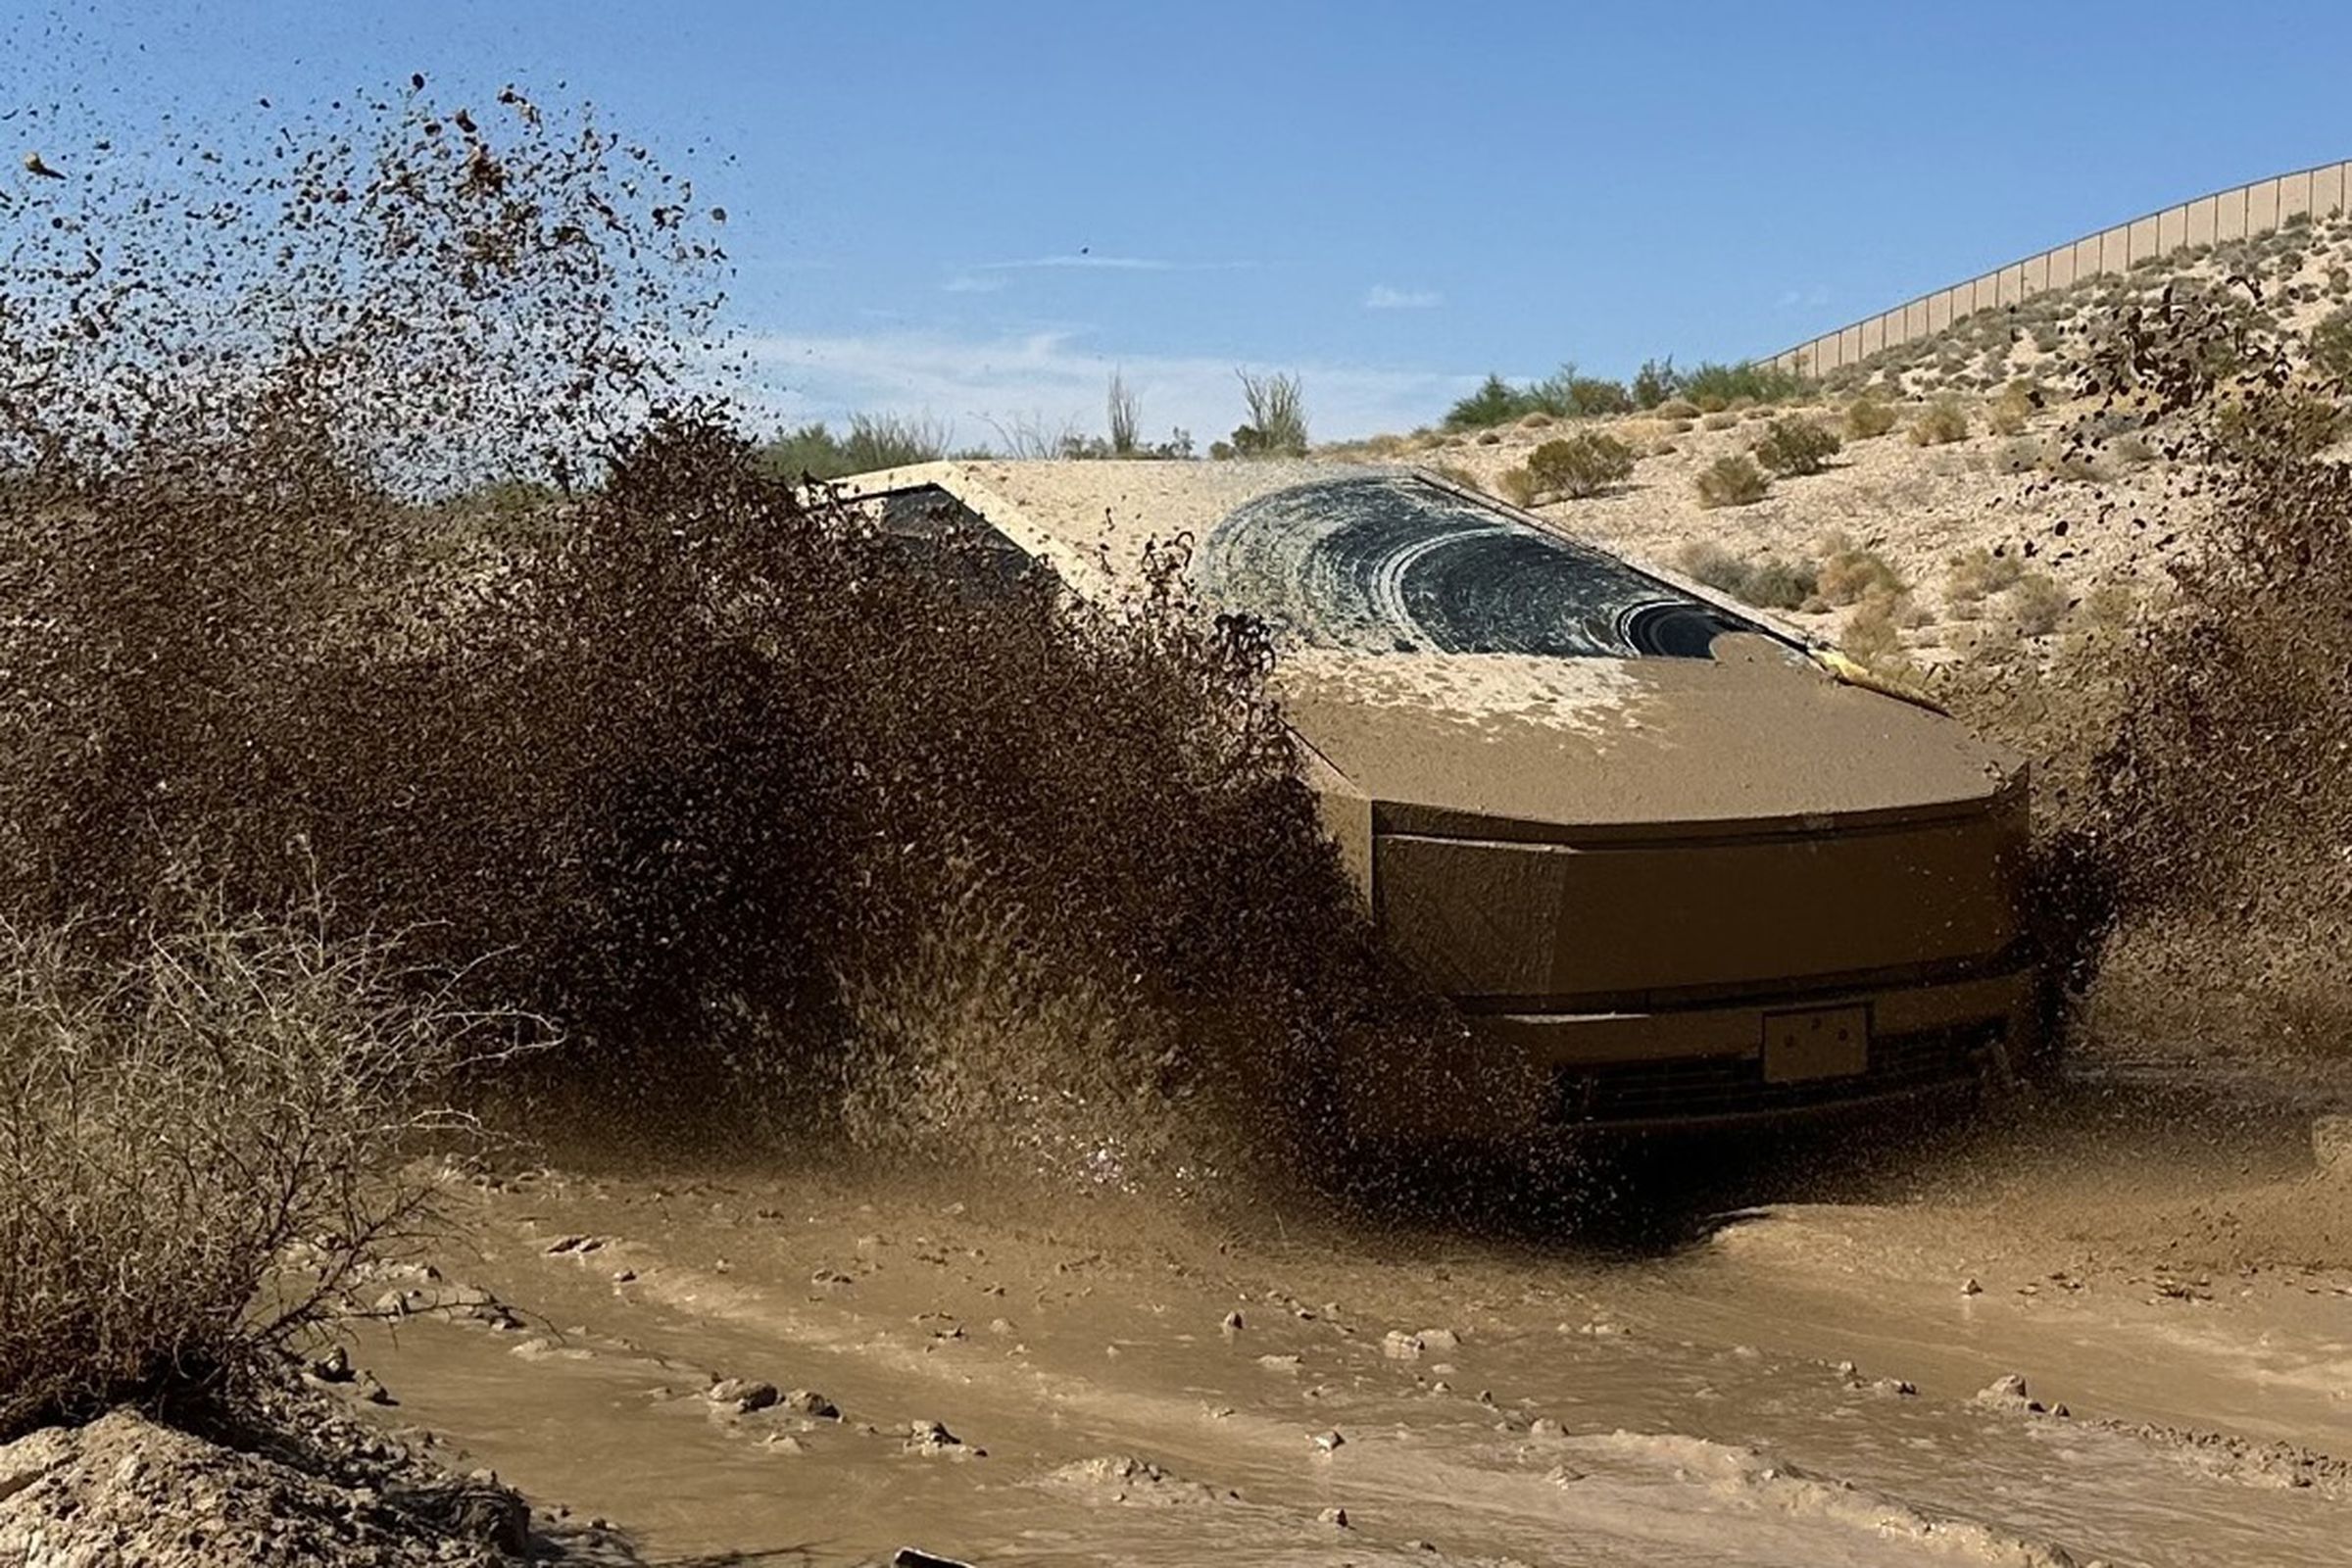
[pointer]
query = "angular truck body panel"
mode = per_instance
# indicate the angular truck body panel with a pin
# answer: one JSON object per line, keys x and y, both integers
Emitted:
{"x": 1672, "y": 866}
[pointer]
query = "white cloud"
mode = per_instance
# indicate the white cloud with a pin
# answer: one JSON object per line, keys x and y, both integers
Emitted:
{"x": 1056, "y": 376}
{"x": 967, "y": 283}
{"x": 1381, "y": 297}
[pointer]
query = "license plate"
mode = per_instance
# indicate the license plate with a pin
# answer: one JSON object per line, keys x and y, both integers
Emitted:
{"x": 1825, "y": 1043}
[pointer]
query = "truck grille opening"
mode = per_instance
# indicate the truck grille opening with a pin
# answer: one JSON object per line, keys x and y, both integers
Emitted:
{"x": 1695, "y": 1088}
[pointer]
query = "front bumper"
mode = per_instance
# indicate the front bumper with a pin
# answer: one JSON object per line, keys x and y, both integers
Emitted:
{"x": 1517, "y": 1074}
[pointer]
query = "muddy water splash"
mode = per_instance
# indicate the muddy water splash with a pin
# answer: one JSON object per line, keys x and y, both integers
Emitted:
{"x": 369, "y": 529}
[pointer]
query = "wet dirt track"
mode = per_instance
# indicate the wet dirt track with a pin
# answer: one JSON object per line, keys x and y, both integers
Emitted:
{"x": 1789, "y": 1383}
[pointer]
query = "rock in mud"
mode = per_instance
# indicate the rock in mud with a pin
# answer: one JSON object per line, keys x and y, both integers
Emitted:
{"x": 334, "y": 1367}
{"x": 813, "y": 1404}
{"x": 1398, "y": 1345}
{"x": 930, "y": 1437}
{"x": 1440, "y": 1342}
{"x": 2010, "y": 1393}
{"x": 913, "y": 1557}
{"x": 1233, "y": 1323}
{"x": 1128, "y": 1479}
{"x": 736, "y": 1393}
{"x": 1326, "y": 1441}
{"x": 1337, "y": 1518}
{"x": 1286, "y": 1364}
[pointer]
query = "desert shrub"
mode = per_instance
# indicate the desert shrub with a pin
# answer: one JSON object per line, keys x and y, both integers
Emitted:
{"x": 1731, "y": 481}
{"x": 1871, "y": 639}
{"x": 1769, "y": 583}
{"x": 1939, "y": 424}
{"x": 1518, "y": 487}
{"x": 2023, "y": 455}
{"x": 2297, "y": 420}
{"x": 1537, "y": 421}
{"x": 1779, "y": 584}
{"x": 1488, "y": 438}
{"x": 1719, "y": 420}
{"x": 1706, "y": 561}
{"x": 2008, "y": 412}
{"x": 1675, "y": 408}
{"x": 2037, "y": 604}
{"x": 1564, "y": 395}
{"x": 1796, "y": 446}
{"x": 1455, "y": 474}
{"x": 1757, "y": 381}
{"x": 1851, "y": 574}
{"x": 1496, "y": 402}
{"x": 1579, "y": 466}
{"x": 1867, "y": 417}
{"x": 874, "y": 442}
{"x": 1656, "y": 383}
{"x": 1123, "y": 416}
{"x": 1592, "y": 397}
{"x": 1276, "y": 426}
{"x": 1975, "y": 573}
{"x": 174, "y": 1123}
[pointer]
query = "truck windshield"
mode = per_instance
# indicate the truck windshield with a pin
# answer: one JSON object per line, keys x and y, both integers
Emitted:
{"x": 1396, "y": 563}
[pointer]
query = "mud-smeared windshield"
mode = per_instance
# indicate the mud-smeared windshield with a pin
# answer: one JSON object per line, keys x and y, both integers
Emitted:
{"x": 1393, "y": 563}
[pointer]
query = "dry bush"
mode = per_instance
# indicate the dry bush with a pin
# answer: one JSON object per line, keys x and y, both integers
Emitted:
{"x": 1731, "y": 481}
{"x": 1719, "y": 420}
{"x": 1578, "y": 465}
{"x": 174, "y": 1125}
{"x": 1704, "y": 561}
{"x": 1871, "y": 637}
{"x": 1676, "y": 408}
{"x": 2008, "y": 413}
{"x": 1851, "y": 574}
{"x": 2024, "y": 455}
{"x": 1276, "y": 422}
{"x": 1939, "y": 424}
{"x": 1867, "y": 417}
{"x": 1769, "y": 583}
{"x": 1796, "y": 446}
{"x": 2037, "y": 604}
{"x": 1975, "y": 573}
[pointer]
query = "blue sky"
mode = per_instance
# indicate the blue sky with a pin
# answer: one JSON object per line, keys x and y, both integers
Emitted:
{"x": 976, "y": 211}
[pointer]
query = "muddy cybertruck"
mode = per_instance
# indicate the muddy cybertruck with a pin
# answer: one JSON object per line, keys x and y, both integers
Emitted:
{"x": 1675, "y": 867}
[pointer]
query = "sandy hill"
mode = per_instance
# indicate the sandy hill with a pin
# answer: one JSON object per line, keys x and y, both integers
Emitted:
{"x": 1935, "y": 540}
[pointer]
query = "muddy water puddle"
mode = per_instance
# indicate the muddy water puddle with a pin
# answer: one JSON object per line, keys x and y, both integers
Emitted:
{"x": 958, "y": 1368}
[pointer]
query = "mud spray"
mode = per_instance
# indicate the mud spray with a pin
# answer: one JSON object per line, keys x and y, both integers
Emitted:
{"x": 378, "y": 527}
